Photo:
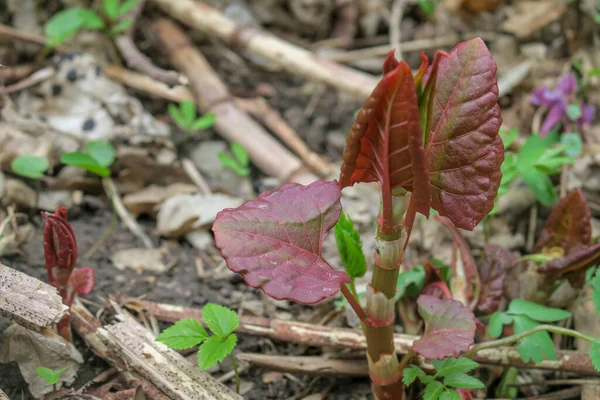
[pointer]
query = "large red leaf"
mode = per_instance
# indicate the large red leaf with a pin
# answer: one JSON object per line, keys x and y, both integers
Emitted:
{"x": 275, "y": 241}
{"x": 384, "y": 144}
{"x": 449, "y": 328}
{"x": 569, "y": 225}
{"x": 492, "y": 271}
{"x": 83, "y": 280}
{"x": 462, "y": 146}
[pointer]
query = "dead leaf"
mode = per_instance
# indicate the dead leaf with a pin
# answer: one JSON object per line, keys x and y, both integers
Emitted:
{"x": 141, "y": 259}
{"x": 30, "y": 350}
{"x": 531, "y": 16}
{"x": 146, "y": 199}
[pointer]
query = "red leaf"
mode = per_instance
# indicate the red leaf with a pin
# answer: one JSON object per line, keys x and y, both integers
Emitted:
{"x": 462, "y": 146}
{"x": 83, "y": 280}
{"x": 569, "y": 225}
{"x": 492, "y": 271}
{"x": 573, "y": 266}
{"x": 275, "y": 241}
{"x": 384, "y": 144}
{"x": 449, "y": 328}
{"x": 60, "y": 248}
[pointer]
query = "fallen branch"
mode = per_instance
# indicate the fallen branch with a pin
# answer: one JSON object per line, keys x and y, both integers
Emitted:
{"x": 294, "y": 59}
{"x": 231, "y": 123}
{"x": 320, "y": 336}
{"x": 28, "y": 301}
{"x": 128, "y": 345}
{"x": 16, "y": 72}
{"x": 309, "y": 365}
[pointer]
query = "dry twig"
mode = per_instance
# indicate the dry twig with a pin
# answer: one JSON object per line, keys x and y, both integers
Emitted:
{"x": 309, "y": 365}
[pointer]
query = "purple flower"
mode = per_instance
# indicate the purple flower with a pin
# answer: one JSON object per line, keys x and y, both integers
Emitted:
{"x": 558, "y": 100}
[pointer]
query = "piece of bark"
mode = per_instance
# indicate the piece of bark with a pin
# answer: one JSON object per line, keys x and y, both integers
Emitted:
{"x": 320, "y": 336}
{"x": 3, "y": 395}
{"x": 309, "y": 365}
{"x": 128, "y": 345}
{"x": 231, "y": 123}
{"x": 294, "y": 59}
{"x": 590, "y": 392}
{"x": 28, "y": 301}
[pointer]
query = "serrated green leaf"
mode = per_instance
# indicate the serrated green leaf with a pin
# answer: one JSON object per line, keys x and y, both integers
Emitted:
{"x": 349, "y": 247}
{"x": 433, "y": 390}
{"x": 536, "y": 346}
{"x": 126, "y": 6}
{"x": 84, "y": 161}
{"x": 240, "y": 154}
{"x": 410, "y": 373}
{"x": 411, "y": 282}
{"x": 204, "y": 122}
{"x": 184, "y": 334}
{"x": 188, "y": 111}
{"x": 463, "y": 381}
{"x": 595, "y": 354}
{"x": 29, "y": 166}
{"x": 221, "y": 320}
{"x": 232, "y": 164}
{"x": 497, "y": 322}
{"x": 450, "y": 394}
{"x": 120, "y": 27}
{"x": 101, "y": 151}
{"x": 110, "y": 9}
{"x": 573, "y": 143}
{"x": 450, "y": 366}
{"x": 214, "y": 350}
{"x": 536, "y": 312}
{"x": 595, "y": 282}
{"x": 50, "y": 376}
{"x": 574, "y": 112}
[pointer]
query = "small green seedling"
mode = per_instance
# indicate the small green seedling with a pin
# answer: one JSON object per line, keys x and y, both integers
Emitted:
{"x": 49, "y": 375}
{"x": 97, "y": 157}
{"x": 525, "y": 315}
{"x": 29, "y": 166}
{"x": 66, "y": 23}
{"x": 450, "y": 374}
{"x": 186, "y": 117}
{"x": 350, "y": 249}
{"x": 187, "y": 333}
{"x": 239, "y": 164}
{"x": 428, "y": 7}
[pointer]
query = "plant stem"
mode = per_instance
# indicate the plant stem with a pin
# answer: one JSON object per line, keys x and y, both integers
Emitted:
{"x": 353, "y": 301}
{"x": 54, "y": 387}
{"x": 107, "y": 232}
{"x": 235, "y": 371}
{"x": 519, "y": 336}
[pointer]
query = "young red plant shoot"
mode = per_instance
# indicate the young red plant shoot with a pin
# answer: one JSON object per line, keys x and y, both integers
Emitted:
{"x": 430, "y": 141}
{"x": 60, "y": 253}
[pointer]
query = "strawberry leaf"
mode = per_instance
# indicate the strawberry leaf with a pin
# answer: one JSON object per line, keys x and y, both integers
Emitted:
{"x": 569, "y": 225}
{"x": 411, "y": 373}
{"x": 595, "y": 354}
{"x": 214, "y": 350}
{"x": 83, "y": 280}
{"x": 453, "y": 365}
{"x": 449, "y": 328}
{"x": 433, "y": 390}
{"x": 275, "y": 241}
{"x": 492, "y": 271}
{"x": 462, "y": 146}
{"x": 462, "y": 381}
{"x": 184, "y": 334}
{"x": 220, "y": 319}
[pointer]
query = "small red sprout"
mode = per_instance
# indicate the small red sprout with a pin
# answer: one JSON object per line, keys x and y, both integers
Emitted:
{"x": 60, "y": 252}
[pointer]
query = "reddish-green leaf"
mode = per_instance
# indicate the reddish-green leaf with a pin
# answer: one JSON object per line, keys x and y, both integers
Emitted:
{"x": 275, "y": 241}
{"x": 462, "y": 146}
{"x": 384, "y": 144}
{"x": 449, "y": 328}
{"x": 492, "y": 271}
{"x": 569, "y": 225}
{"x": 83, "y": 280}
{"x": 574, "y": 265}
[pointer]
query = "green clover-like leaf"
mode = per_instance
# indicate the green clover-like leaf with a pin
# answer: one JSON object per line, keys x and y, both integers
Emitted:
{"x": 29, "y": 166}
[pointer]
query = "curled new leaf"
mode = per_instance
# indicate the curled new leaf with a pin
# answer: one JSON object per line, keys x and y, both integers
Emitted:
{"x": 462, "y": 146}
{"x": 449, "y": 328}
{"x": 574, "y": 265}
{"x": 492, "y": 271}
{"x": 275, "y": 241}
{"x": 83, "y": 280}
{"x": 569, "y": 225}
{"x": 60, "y": 248}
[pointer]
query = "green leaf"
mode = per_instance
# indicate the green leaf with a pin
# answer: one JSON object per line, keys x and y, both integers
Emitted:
{"x": 427, "y": 6}
{"x": 463, "y": 381}
{"x": 204, "y": 122}
{"x": 594, "y": 71}
{"x": 240, "y": 154}
{"x": 450, "y": 366}
{"x": 85, "y": 161}
{"x": 101, "y": 151}
{"x": 411, "y": 373}
{"x": 29, "y": 166}
{"x": 349, "y": 247}
{"x": 541, "y": 186}
{"x": 433, "y": 391}
{"x": 411, "y": 282}
{"x": 214, "y": 350}
{"x": 50, "y": 376}
{"x": 175, "y": 115}
{"x": 110, "y": 9}
{"x": 506, "y": 388}
{"x": 529, "y": 154}
{"x": 595, "y": 354}
{"x": 497, "y": 322}
{"x": 221, "y": 320}
{"x": 91, "y": 20}
{"x": 450, "y": 394}
{"x": 188, "y": 111}
{"x": 508, "y": 136}
{"x": 126, "y": 6}
{"x": 534, "y": 347}
{"x": 232, "y": 164}
{"x": 573, "y": 143}
{"x": 595, "y": 282}
{"x": 184, "y": 334}
{"x": 574, "y": 112}
{"x": 536, "y": 312}
{"x": 120, "y": 27}
{"x": 64, "y": 24}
